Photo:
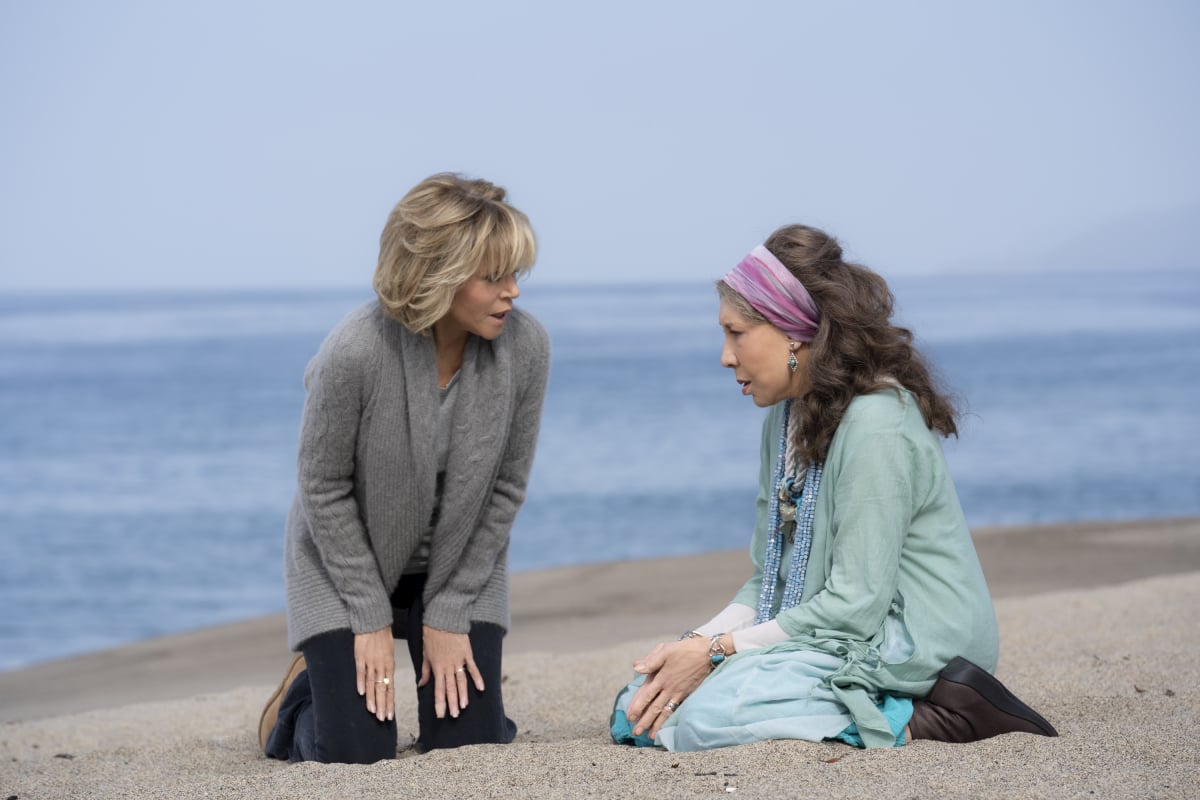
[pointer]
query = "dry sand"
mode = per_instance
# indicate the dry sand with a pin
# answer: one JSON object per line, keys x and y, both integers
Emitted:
{"x": 1100, "y": 631}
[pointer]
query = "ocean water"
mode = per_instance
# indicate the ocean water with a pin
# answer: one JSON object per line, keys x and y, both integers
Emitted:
{"x": 147, "y": 441}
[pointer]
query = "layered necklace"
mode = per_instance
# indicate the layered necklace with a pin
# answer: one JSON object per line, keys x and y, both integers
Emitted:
{"x": 791, "y": 509}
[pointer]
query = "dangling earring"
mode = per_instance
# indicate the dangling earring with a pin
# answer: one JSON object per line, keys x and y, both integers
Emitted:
{"x": 793, "y": 365}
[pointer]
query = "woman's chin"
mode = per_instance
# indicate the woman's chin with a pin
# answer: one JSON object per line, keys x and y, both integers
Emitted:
{"x": 765, "y": 399}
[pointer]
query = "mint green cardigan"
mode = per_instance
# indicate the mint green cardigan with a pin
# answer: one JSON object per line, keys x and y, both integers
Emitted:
{"x": 890, "y": 547}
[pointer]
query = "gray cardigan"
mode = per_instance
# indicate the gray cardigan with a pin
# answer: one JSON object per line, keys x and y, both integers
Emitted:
{"x": 367, "y": 475}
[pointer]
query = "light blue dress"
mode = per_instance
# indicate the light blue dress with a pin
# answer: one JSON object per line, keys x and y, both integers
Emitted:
{"x": 893, "y": 592}
{"x": 780, "y": 692}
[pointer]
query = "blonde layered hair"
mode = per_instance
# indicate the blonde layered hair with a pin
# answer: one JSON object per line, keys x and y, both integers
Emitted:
{"x": 444, "y": 232}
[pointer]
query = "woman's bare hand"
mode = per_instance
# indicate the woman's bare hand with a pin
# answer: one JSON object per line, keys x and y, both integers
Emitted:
{"x": 673, "y": 671}
{"x": 448, "y": 660}
{"x": 375, "y": 671}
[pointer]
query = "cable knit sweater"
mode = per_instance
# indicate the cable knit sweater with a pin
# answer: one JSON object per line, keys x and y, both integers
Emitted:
{"x": 367, "y": 475}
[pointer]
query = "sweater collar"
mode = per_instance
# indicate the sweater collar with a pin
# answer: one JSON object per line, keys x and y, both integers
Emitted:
{"x": 479, "y": 423}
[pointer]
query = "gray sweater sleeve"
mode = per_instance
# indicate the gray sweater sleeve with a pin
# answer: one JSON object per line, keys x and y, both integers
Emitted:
{"x": 450, "y": 608}
{"x": 336, "y": 383}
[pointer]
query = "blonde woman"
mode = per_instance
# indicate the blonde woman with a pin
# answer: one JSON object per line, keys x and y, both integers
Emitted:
{"x": 417, "y": 439}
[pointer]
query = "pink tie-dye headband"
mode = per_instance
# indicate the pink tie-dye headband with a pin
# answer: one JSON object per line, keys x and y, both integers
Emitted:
{"x": 773, "y": 291}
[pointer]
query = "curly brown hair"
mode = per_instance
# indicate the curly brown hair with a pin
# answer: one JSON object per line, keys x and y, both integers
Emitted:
{"x": 857, "y": 348}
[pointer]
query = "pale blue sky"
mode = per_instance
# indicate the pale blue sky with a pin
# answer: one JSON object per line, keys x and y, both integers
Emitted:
{"x": 262, "y": 144}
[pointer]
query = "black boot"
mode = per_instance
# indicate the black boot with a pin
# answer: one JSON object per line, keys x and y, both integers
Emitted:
{"x": 967, "y": 704}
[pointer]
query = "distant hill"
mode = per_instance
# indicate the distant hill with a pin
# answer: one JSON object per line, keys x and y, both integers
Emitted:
{"x": 1160, "y": 241}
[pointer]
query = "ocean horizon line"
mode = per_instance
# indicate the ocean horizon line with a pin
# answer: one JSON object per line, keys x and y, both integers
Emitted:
{"x": 219, "y": 291}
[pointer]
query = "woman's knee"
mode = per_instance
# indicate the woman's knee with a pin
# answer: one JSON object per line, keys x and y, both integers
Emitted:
{"x": 357, "y": 743}
{"x": 343, "y": 730}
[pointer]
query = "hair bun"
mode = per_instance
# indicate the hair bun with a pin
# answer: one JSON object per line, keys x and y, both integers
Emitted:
{"x": 486, "y": 190}
{"x": 833, "y": 250}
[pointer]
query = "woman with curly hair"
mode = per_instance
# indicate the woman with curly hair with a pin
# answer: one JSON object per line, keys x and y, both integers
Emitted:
{"x": 416, "y": 443}
{"x": 867, "y": 617}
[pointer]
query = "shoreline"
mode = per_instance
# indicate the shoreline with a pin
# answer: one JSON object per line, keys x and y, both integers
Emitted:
{"x": 580, "y": 608}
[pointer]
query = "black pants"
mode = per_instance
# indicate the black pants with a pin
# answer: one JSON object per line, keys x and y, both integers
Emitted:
{"x": 323, "y": 718}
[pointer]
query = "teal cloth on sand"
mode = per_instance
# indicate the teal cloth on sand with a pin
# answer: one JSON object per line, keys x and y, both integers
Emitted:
{"x": 773, "y": 695}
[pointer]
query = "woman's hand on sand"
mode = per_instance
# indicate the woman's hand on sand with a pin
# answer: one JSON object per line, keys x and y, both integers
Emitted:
{"x": 673, "y": 671}
{"x": 375, "y": 671}
{"x": 449, "y": 662}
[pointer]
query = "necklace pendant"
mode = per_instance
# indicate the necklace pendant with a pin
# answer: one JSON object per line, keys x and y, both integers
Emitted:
{"x": 787, "y": 520}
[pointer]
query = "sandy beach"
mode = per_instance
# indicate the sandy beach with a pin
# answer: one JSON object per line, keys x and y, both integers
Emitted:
{"x": 1099, "y": 632}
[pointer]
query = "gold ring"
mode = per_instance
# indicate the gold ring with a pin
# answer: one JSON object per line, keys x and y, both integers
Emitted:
{"x": 385, "y": 681}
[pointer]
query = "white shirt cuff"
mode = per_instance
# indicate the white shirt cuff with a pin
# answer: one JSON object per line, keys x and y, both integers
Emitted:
{"x": 733, "y": 617}
{"x": 756, "y": 636}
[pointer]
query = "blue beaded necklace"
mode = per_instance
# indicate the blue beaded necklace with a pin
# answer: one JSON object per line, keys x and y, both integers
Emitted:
{"x": 791, "y": 515}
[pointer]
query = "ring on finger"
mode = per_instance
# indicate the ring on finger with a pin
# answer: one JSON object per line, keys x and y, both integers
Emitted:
{"x": 670, "y": 706}
{"x": 385, "y": 681}
{"x": 461, "y": 669}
